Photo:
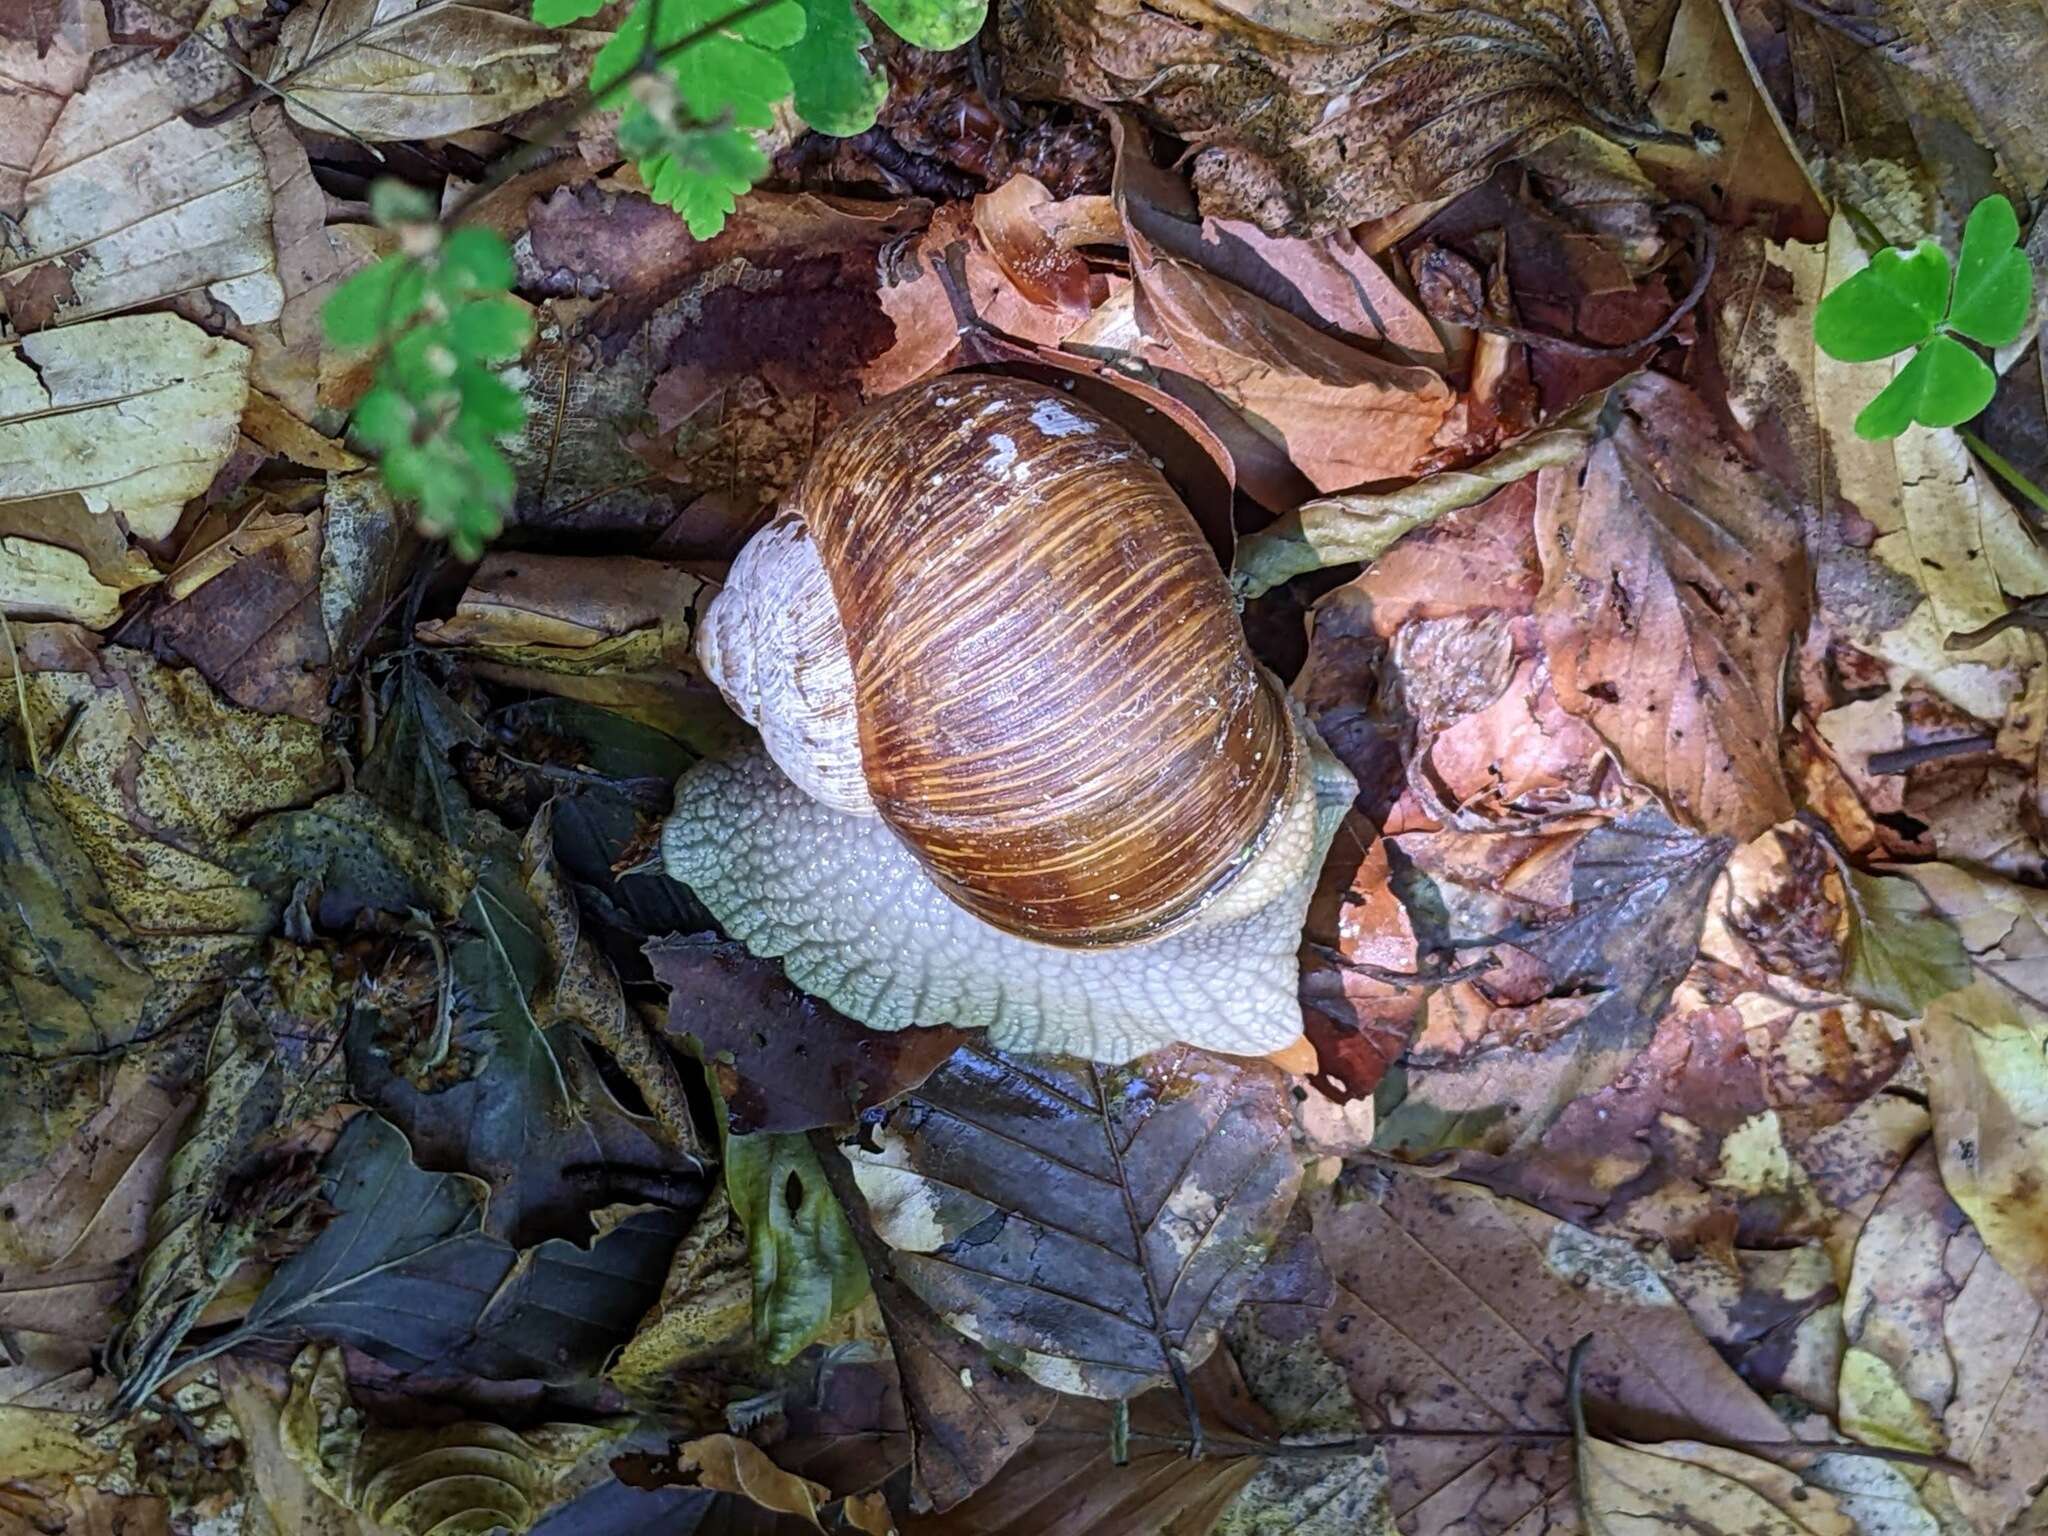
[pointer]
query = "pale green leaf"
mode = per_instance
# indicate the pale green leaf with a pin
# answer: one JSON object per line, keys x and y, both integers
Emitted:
{"x": 1902, "y": 954}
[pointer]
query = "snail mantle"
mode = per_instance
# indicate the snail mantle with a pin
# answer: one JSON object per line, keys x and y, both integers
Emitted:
{"x": 1018, "y": 769}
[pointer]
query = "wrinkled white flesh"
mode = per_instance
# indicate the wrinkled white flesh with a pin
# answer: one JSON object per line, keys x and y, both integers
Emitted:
{"x": 857, "y": 922}
{"x": 772, "y": 643}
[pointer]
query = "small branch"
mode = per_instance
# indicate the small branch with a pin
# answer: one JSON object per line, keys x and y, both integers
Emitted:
{"x": 1364, "y": 1445}
{"x": 1902, "y": 759}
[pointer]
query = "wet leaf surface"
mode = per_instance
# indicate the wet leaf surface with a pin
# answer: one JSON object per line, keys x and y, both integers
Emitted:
{"x": 1097, "y": 1222}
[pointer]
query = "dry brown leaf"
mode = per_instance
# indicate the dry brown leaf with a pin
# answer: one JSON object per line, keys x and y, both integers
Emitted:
{"x": 1456, "y": 1310}
{"x": 1312, "y": 119}
{"x": 39, "y": 71}
{"x": 1339, "y": 530}
{"x": 246, "y": 611}
{"x": 1359, "y": 1022}
{"x": 1887, "y": 96}
{"x": 1066, "y": 1479}
{"x": 1342, "y": 416}
{"x": 1750, "y": 172}
{"x": 421, "y": 69}
{"x": 1684, "y": 1485}
{"x": 1673, "y": 586}
{"x": 74, "y": 1226}
{"x": 128, "y": 204}
{"x": 732, "y": 1465}
{"x": 135, "y": 414}
{"x": 42, "y": 581}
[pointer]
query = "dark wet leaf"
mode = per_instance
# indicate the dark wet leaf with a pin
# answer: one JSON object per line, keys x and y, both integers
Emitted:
{"x": 1095, "y": 1224}
{"x": 1608, "y": 964}
{"x": 406, "y": 1272}
{"x": 783, "y": 1060}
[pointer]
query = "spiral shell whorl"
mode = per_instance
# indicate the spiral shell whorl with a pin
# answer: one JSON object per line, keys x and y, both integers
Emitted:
{"x": 1057, "y": 710}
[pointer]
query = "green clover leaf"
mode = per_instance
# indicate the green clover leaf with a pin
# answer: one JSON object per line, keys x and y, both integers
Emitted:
{"x": 1994, "y": 284}
{"x": 1892, "y": 304}
{"x": 935, "y": 24}
{"x": 1944, "y": 385}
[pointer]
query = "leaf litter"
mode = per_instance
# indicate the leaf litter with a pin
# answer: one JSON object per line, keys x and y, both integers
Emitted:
{"x": 391, "y": 1146}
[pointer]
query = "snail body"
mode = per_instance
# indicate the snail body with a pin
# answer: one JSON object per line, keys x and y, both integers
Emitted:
{"x": 1019, "y": 768}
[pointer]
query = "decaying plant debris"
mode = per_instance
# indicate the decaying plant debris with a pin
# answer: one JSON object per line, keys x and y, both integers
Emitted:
{"x": 390, "y": 1146}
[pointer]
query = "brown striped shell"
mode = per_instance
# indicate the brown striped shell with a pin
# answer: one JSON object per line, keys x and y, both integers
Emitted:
{"x": 1057, "y": 708}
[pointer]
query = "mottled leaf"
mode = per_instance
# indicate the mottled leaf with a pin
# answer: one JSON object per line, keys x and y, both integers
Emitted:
{"x": 1310, "y": 118}
{"x": 420, "y": 69}
{"x": 1673, "y": 584}
{"x": 1985, "y": 1053}
{"x": 1456, "y": 1310}
{"x": 1096, "y": 1224}
{"x": 806, "y": 1267}
{"x": 88, "y": 408}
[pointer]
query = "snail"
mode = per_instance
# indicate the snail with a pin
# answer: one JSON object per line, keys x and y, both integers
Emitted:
{"x": 1019, "y": 769}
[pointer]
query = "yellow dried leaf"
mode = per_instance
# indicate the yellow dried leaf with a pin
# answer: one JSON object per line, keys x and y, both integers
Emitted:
{"x": 1632, "y": 1490}
{"x": 1985, "y": 1054}
{"x": 732, "y": 1465}
{"x": 422, "y": 69}
{"x": 135, "y": 414}
{"x": 45, "y": 582}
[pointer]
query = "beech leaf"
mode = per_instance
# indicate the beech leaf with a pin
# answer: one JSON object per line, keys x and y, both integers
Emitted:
{"x": 406, "y": 1272}
{"x": 1095, "y": 1224}
{"x": 421, "y": 69}
{"x": 89, "y": 409}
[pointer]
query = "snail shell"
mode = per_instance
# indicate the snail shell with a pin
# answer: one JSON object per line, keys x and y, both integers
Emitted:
{"x": 1056, "y": 709}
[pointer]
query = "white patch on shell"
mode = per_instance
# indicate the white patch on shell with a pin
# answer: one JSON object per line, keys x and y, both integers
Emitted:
{"x": 1055, "y": 420}
{"x": 1005, "y": 453}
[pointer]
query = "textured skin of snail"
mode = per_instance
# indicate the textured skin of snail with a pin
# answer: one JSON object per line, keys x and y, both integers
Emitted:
{"x": 1019, "y": 769}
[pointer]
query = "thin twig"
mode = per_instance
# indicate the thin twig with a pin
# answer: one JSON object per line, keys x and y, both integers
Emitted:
{"x": 1901, "y": 759}
{"x": 1363, "y": 1445}
{"x": 28, "y": 724}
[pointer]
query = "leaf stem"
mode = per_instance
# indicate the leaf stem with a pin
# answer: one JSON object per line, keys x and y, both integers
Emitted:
{"x": 2007, "y": 471}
